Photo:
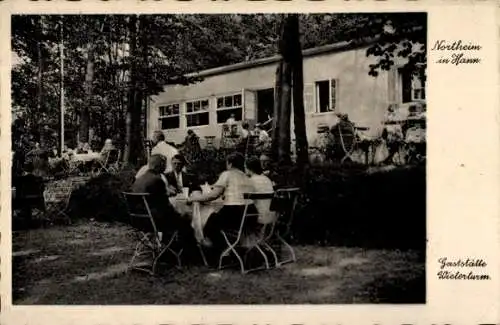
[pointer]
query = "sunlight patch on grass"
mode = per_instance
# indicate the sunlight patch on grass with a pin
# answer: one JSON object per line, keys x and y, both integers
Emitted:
{"x": 108, "y": 251}
{"x": 317, "y": 271}
{"x": 92, "y": 273}
{"x": 77, "y": 242}
{"x": 25, "y": 252}
{"x": 214, "y": 276}
{"x": 109, "y": 272}
{"x": 46, "y": 259}
{"x": 353, "y": 261}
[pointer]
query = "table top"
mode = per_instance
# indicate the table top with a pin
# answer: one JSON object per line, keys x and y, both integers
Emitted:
{"x": 86, "y": 156}
{"x": 182, "y": 199}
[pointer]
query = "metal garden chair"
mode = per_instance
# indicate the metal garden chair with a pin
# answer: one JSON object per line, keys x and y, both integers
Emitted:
{"x": 239, "y": 245}
{"x": 57, "y": 196}
{"x": 284, "y": 203}
{"x": 149, "y": 239}
{"x": 111, "y": 162}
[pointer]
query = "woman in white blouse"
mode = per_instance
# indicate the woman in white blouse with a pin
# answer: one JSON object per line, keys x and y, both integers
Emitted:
{"x": 232, "y": 184}
{"x": 261, "y": 184}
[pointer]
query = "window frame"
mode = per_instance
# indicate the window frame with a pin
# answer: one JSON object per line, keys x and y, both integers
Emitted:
{"x": 207, "y": 111}
{"x": 330, "y": 96}
{"x": 421, "y": 89}
{"x": 242, "y": 106}
{"x": 400, "y": 83}
{"x": 160, "y": 117}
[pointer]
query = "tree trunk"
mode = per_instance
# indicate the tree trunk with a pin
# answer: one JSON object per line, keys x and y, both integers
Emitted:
{"x": 132, "y": 117}
{"x": 284, "y": 158}
{"x": 39, "y": 80}
{"x": 283, "y": 89}
{"x": 276, "y": 113}
{"x": 299, "y": 120}
{"x": 85, "y": 112}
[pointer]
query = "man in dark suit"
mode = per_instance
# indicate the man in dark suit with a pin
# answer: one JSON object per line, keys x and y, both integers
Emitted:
{"x": 163, "y": 212}
{"x": 178, "y": 179}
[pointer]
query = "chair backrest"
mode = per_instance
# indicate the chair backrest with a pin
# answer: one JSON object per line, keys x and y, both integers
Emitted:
{"x": 139, "y": 211}
{"x": 259, "y": 196}
{"x": 58, "y": 192}
{"x": 267, "y": 218}
{"x": 284, "y": 204}
{"x": 256, "y": 198}
{"x": 79, "y": 181}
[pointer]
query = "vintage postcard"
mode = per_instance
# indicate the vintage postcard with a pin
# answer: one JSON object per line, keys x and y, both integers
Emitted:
{"x": 250, "y": 162}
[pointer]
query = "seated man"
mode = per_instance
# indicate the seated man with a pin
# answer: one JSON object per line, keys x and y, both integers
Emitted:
{"x": 166, "y": 218}
{"x": 178, "y": 179}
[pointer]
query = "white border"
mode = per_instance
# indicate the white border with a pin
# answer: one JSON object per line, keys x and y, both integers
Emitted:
{"x": 463, "y": 173}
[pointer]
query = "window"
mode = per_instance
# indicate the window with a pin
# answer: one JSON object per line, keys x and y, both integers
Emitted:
{"x": 197, "y": 113}
{"x": 418, "y": 89}
{"x": 169, "y": 117}
{"x": 229, "y": 105}
{"x": 413, "y": 87}
{"x": 326, "y": 95}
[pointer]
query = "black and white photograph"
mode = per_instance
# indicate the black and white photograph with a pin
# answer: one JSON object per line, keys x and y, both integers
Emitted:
{"x": 216, "y": 159}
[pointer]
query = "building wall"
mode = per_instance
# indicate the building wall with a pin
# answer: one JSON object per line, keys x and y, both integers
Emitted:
{"x": 364, "y": 98}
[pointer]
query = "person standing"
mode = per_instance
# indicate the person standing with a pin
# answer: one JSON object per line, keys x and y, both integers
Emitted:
{"x": 160, "y": 147}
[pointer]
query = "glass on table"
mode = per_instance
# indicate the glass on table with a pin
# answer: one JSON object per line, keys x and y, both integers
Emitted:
{"x": 185, "y": 192}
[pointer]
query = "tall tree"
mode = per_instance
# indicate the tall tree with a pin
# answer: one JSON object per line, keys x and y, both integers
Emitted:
{"x": 277, "y": 111}
{"x": 172, "y": 46}
{"x": 39, "y": 79}
{"x": 299, "y": 119}
{"x": 131, "y": 114}
{"x": 289, "y": 76}
{"x": 83, "y": 132}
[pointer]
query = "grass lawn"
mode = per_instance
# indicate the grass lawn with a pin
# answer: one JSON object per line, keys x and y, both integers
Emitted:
{"x": 86, "y": 263}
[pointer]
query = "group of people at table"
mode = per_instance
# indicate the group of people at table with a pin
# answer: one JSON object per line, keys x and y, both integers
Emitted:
{"x": 198, "y": 211}
{"x": 84, "y": 154}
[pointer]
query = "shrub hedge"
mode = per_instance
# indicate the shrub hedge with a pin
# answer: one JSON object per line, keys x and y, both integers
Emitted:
{"x": 380, "y": 209}
{"x": 339, "y": 205}
{"x": 100, "y": 198}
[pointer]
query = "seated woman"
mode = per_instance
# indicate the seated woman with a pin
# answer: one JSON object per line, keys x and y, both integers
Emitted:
{"x": 261, "y": 184}
{"x": 232, "y": 183}
{"x": 108, "y": 146}
{"x": 80, "y": 148}
{"x": 87, "y": 148}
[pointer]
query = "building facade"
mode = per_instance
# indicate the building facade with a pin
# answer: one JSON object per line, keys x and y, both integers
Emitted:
{"x": 336, "y": 80}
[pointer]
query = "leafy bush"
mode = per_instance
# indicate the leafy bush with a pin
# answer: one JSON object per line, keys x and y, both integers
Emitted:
{"x": 100, "y": 198}
{"x": 343, "y": 205}
{"x": 356, "y": 208}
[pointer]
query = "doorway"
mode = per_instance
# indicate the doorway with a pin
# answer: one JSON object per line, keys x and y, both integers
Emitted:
{"x": 265, "y": 104}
